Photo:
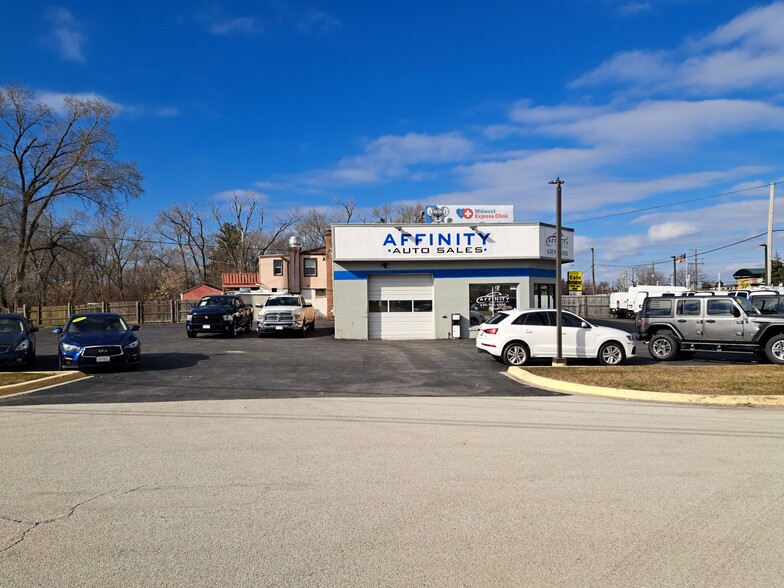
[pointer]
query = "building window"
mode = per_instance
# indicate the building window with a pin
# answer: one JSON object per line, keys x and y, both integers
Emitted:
{"x": 488, "y": 299}
{"x": 277, "y": 267}
{"x": 310, "y": 267}
{"x": 321, "y": 292}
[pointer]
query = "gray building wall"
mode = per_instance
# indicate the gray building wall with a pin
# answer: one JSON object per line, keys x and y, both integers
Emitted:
{"x": 451, "y": 281}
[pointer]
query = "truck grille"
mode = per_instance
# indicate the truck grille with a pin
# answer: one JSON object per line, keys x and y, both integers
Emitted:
{"x": 279, "y": 317}
{"x": 207, "y": 319}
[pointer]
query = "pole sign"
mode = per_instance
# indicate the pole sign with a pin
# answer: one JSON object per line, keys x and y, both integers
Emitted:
{"x": 574, "y": 281}
{"x": 468, "y": 213}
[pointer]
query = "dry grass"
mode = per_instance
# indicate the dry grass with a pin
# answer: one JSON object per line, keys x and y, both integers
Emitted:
{"x": 736, "y": 379}
{"x": 8, "y": 378}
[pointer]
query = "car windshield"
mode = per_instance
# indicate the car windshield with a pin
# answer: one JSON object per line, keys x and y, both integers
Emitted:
{"x": 283, "y": 301}
{"x": 11, "y": 325}
{"x": 747, "y": 306}
{"x": 92, "y": 324}
{"x": 215, "y": 301}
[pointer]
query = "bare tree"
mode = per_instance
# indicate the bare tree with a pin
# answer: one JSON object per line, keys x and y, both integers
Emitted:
{"x": 187, "y": 230}
{"x": 48, "y": 158}
{"x": 117, "y": 246}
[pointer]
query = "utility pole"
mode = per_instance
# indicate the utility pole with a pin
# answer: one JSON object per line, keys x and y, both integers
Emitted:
{"x": 674, "y": 269}
{"x": 769, "y": 248}
{"x": 558, "y": 360}
{"x": 697, "y": 265}
{"x": 593, "y": 272}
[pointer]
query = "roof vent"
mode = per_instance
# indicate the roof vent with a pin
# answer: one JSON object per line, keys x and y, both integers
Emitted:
{"x": 295, "y": 242}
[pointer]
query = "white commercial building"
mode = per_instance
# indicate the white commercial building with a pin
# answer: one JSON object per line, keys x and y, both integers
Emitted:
{"x": 436, "y": 281}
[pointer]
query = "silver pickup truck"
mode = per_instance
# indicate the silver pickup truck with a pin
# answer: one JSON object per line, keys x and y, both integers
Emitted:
{"x": 286, "y": 313}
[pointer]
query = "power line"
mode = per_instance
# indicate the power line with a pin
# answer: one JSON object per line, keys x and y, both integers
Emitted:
{"x": 585, "y": 220}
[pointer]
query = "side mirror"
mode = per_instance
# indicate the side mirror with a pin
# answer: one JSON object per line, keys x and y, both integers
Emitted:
{"x": 135, "y": 327}
{"x": 735, "y": 311}
{"x": 584, "y": 325}
{"x": 58, "y": 330}
{"x": 306, "y": 305}
{"x": 33, "y": 329}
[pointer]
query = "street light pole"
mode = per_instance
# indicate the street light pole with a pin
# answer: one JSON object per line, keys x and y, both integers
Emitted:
{"x": 558, "y": 360}
{"x": 767, "y": 275}
{"x": 674, "y": 261}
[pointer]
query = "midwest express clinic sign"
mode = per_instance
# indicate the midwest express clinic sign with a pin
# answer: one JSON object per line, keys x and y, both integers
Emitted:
{"x": 385, "y": 242}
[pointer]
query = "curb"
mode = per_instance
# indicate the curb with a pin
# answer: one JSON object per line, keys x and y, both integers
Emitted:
{"x": 49, "y": 381}
{"x": 525, "y": 377}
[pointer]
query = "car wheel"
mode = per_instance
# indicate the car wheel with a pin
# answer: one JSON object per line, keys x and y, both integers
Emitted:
{"x": 515, "y": 354}
{"x": 611, "y": 353}
{"x": 232, "y": 332}
{"x": 774, "y": 348}
{"x": 191, "y": 334}
{"x": 259, "y": 333}
{"x": 663, "y": 347}
{"x": 301, "y": 332}
{"x": 59, "y": 362}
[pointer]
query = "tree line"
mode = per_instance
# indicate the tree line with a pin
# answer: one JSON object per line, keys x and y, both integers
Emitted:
{"x": 66, "y": 235}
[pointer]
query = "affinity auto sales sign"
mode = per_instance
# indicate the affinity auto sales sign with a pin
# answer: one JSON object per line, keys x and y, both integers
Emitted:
{"x": 385, "y": 242}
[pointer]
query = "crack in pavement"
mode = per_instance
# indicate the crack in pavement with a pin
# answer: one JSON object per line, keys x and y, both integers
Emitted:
{"x": 35, "y": 524}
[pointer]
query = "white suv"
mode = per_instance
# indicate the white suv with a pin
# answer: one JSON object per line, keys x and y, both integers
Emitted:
{"x": 516, "y": 336}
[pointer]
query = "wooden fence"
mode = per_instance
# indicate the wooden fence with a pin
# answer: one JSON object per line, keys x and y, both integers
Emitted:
{"x": 597, "y": 306}
{"x": 136, "y": 312}
{"x": 174, "y": 311}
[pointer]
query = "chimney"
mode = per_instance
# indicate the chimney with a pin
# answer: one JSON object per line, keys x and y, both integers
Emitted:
{"x": 295, "y": 270}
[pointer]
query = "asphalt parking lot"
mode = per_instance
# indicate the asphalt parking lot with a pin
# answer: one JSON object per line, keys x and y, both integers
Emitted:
{"x": 212, "y": 367}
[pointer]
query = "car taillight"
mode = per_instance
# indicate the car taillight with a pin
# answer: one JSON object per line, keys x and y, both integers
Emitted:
{"x": 491, "y": 330}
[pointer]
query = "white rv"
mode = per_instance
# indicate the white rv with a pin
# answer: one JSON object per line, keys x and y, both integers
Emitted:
{"x": 627, "y": 304}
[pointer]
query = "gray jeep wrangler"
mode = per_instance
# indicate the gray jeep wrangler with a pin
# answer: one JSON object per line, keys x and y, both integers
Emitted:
{"x": 681, "y": 325}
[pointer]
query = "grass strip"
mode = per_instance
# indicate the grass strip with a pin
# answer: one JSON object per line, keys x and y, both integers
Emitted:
{"x": 731, "y": 380}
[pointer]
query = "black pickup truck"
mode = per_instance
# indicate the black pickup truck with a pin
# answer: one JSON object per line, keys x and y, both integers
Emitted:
{"x": 219, "y": 314}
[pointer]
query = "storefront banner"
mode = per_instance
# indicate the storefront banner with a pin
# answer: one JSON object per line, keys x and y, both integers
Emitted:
{"x": 384, "y": 242}
{"x": 468, "y": 213}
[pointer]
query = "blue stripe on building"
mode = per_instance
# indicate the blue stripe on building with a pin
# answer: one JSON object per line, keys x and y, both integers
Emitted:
{"x": 452, "y": 273}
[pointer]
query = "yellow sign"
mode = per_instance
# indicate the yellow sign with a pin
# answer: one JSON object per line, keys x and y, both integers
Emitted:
{"x": 574, "y": 281}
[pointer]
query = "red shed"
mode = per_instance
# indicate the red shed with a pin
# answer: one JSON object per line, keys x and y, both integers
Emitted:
{"x": 198, "y": 292}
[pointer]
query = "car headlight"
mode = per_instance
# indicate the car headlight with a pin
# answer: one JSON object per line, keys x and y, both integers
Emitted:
{"x": 69, "y": 347}
{"x": 132, "y": 345}
{"x": 227, "y": 318}
{"x": 189, "y": 317}
{"x": 261, "y": 316}
{"x": 23, "y": 346}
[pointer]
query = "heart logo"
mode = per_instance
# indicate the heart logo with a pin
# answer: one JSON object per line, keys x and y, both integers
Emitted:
{"x": 459, "y": 212}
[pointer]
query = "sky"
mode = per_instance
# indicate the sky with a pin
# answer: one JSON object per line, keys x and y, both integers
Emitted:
{"x": 665, "y": 118}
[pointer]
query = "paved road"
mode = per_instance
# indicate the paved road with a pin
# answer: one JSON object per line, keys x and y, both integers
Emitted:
{"x": 438, "y": 491}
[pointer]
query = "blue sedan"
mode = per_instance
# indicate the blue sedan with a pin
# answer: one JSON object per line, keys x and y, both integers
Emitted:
{"x": 93, "y": 340}
{"x": 17, "y": 340}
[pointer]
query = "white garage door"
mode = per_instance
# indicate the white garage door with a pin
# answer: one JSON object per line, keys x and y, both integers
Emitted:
{"x": 400, "y": 307}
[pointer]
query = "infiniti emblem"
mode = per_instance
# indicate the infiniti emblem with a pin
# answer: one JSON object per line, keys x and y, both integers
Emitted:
{"x": 102, "y": 350}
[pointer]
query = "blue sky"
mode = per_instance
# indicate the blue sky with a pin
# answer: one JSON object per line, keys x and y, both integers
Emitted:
{"x": 636, "y": 104}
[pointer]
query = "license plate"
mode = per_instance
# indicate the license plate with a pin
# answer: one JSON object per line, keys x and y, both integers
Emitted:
{"x": 205, "y": 326}
{"x": 103, "y": 359}
{"x": 278, "y": 328}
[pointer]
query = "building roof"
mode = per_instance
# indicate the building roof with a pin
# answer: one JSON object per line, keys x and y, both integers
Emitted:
{"x": 752, "y": 272}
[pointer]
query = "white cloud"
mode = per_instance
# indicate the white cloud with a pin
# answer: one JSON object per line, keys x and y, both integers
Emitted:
{"x": 668, "y": 231}
{"x": 65, "y": 34}
{"x": 392, "y": 156}
{"x": 56, "y": 100}
{"x": 742, "y": 55}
